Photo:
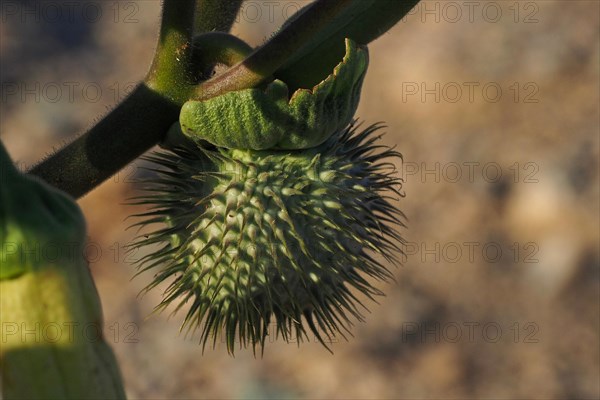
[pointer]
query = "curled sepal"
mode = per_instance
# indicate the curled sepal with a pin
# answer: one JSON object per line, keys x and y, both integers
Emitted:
{"x": 260, "y": 119}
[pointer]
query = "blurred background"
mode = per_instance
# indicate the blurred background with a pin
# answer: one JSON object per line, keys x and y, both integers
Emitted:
{"x": 495, "y": 108}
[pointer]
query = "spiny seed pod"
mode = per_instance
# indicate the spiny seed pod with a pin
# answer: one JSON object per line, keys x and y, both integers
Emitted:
{"x": 256, "y": 235}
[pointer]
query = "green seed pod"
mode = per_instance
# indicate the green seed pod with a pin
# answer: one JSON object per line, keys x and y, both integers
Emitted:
{"x": 255, "y": 235}
{"x": 260, "y": 119}
{"x": 52, "y": 344}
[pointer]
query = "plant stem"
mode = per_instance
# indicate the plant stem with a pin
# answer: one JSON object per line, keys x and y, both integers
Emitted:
{"x": 363, "y": 21}
{"x": 170, "y": 70}
{"x": 143, "y": 119}
{"x": 217, "y": 48}
{"x": 215, "y": 15}
{"x": 137, "y": 123}
{"x": 133, "y": 127}
{"x": 264, "y": 61}
{"x": 212, "y": 17}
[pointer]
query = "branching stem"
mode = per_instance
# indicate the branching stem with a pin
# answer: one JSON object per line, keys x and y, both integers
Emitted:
{"x": 263, "y": 62}
{"x": 142, "y": 119}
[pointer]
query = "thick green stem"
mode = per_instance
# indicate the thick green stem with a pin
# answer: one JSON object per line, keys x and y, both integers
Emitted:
{"x": 263, "y": 62}
{"x": 143, "y": 119}
{"x": 170, "y": 70}
{"x": 215, "y": 15}
{"x": 217, "y": 48}
{"x": 133, "y": 127}
{"x": 221, "y": 48}
{"x": 136, "y": 124}
{"x": 363, "y": 21}
{"x": 212, "y": 17}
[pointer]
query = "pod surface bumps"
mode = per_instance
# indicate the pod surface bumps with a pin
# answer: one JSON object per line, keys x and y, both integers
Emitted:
{"x": 254, "y": 237}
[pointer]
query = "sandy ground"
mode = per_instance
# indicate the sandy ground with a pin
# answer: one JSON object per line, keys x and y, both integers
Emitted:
{"x": 495, "y": 107}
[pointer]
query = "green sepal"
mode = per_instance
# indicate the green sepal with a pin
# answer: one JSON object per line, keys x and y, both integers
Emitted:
{"x": 248, "y": 118}
{"x": 260, "y": 119}
{"x": 316, "y": 114}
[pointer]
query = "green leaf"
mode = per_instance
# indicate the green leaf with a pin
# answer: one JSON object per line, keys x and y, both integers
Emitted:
{"x": 50, "y": 313}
